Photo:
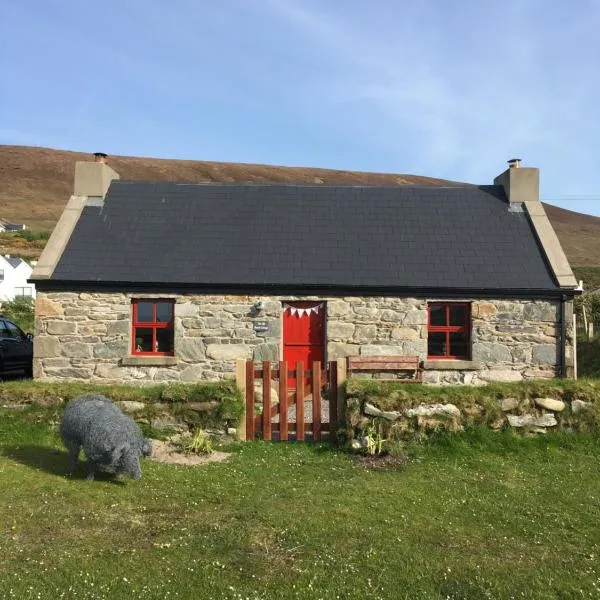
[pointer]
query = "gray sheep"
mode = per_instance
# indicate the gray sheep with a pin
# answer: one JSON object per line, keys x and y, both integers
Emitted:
{"x": 112, "y": 441}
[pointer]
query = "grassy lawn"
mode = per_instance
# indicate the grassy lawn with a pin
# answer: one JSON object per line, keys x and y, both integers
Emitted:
{"x": 478, "y": 516}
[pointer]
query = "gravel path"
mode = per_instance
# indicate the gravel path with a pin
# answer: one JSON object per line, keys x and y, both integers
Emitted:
{"x": 307, "y": 411}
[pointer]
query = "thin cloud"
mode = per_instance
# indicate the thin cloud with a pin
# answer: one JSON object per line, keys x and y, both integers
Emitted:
{"x": 411, "y": 86}
{"x": 462, "y": 105}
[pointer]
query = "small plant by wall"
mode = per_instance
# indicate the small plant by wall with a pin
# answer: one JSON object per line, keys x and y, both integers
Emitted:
{"x": 198, "y": 443}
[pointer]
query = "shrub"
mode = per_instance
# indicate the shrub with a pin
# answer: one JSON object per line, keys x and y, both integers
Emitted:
{"x": 591, "y": 302}
{"x": 588, "y": 357}
{"x": 27, "y": 234}
{"x": 21, "y": 311}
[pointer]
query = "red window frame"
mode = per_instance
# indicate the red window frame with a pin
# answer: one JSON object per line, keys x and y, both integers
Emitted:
{"x": 154, "y": 325}
{"x": 448, "y": 329}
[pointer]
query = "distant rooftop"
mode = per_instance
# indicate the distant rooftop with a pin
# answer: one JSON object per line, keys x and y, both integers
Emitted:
{"x": 14, "y": 262}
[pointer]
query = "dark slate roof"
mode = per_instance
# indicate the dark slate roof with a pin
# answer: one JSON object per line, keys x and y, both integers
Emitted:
{"x": 305, "y": 235}
{"x": 14, "y": 262}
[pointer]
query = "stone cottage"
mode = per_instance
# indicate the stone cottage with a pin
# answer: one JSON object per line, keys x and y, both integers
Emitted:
{"x": 154, "y": 281}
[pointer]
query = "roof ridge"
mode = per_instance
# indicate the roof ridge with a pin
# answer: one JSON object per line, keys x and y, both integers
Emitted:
{"x": 301, "y": 184}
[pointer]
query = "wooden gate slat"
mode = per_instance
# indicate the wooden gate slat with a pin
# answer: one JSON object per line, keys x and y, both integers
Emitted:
{"x": 283, "y": 401}
{"x": 299, "y": 401}
{"x": 266, "y": 383}
{"x": 333, "y": 400}
{"x": 316, "y": 400}
{"x": 250, "y": 430}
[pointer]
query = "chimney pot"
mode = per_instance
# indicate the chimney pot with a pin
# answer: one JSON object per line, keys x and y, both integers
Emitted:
{"x": 100, "y": 157}
{"x": 514, "y": 163}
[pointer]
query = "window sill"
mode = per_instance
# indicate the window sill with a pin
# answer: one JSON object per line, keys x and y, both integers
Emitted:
{"x": 149, "y": 361}
{"x": 451, "y": 365}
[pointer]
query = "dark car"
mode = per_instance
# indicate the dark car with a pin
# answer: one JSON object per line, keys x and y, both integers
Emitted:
{"x": 16, "y": 350}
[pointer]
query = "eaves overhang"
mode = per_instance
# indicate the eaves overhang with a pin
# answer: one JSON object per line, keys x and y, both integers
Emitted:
{"x": 290, "y": 289}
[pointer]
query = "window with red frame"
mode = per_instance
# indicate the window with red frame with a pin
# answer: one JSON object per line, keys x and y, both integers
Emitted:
{"x": 449, "y": 330}
{"x": 153, "y": 330}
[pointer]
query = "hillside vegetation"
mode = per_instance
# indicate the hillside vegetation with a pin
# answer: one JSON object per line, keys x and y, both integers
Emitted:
{"x": 35, "y": 184}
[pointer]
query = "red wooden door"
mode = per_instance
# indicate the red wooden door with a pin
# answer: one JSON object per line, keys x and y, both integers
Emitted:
{"x": 303, "y": 334}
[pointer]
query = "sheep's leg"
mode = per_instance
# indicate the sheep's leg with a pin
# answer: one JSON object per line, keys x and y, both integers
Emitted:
{"x": 91, "y": 470}
{"x": 73, "y": 448}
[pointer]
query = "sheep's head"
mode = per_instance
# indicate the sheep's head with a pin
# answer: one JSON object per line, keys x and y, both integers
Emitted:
{"x": 130, "y": 463}
{"x": 147, "y": 447}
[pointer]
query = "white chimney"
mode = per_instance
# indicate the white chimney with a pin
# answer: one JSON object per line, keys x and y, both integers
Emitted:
{"x": 521, "y": 184}
{"x": 93, "y": 178}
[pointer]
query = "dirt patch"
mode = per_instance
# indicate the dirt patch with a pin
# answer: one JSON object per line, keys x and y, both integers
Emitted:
{"x": 167, "y": 453}
{"x": 383, "y": 461}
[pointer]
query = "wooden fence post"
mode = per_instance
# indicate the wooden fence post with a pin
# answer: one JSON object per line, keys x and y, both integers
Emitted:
{"x": 316, "y": 400}
{"x": 333, "y": 401}
{"x": 574, "y": 346}
{"x": 240, "y": 380}
{"x": 283, "y": 401}
{"x": 300, "y": 401}
{"x": 266, "y": 385}
{"x": 342, "y": 375}
{"x": 250, "y": 433}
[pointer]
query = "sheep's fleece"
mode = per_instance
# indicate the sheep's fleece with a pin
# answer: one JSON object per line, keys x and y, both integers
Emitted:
{"x": 112, "y": 441}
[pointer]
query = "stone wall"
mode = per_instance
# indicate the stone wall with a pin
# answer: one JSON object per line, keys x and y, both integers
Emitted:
{"x": 406, "y": 421}
{"x": 511, "y": 340}
{"x": 87, "y": 336}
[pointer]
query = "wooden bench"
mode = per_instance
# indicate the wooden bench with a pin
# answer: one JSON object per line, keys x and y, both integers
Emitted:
{"x": 406, "y": 364}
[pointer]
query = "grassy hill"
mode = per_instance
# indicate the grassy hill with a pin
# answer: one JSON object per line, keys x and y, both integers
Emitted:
{"x": 35, "y": 184}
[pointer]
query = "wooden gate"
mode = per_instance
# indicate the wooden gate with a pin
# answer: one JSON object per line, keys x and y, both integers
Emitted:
{"x": 307, "y": 411}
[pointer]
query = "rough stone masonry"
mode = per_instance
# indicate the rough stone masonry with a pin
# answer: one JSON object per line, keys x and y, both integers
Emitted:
{"x": 88, "y": 336}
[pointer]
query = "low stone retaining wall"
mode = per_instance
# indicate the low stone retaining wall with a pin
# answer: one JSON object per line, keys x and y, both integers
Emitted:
{"x": 536, "y": 415}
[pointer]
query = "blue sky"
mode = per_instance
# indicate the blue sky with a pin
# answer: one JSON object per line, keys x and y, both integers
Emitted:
{"x": 428, "y": 87}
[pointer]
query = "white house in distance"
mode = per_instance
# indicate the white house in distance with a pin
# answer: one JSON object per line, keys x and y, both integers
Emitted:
{"x": 14, "y": 273}
{"x": 12, "y": 227}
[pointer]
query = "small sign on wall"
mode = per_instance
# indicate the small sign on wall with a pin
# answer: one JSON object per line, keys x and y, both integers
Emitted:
{"x": 261, "y": 326}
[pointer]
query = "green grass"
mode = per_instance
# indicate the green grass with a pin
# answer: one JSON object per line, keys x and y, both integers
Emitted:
{"x": 41, "y": 392}
{"x": 391, "y": 395}
{"x": 26, "y": 234}
{"x": 590, "y": 276}
{"x": 227, "y": 400}
{"x": 478, "y": 515}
